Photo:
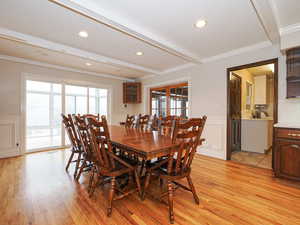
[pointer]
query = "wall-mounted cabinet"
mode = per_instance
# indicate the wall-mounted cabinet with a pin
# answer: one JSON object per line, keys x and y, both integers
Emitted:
{"x": 132, "y": 92}
{"x": 260, "y": 87}
{"x": 293, "y": 72}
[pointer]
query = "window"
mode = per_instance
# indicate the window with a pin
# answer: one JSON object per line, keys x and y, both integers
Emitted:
{"x": 44, "y": 106}
{"x": 170, "y": 100}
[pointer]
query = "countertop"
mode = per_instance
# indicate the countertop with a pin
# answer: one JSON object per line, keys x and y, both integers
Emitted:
{"x": 288, "y": 125}
{"x": 259, "y": 119}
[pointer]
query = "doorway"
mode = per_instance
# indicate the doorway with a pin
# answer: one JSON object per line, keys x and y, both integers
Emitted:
{"x": 251, "y": 112}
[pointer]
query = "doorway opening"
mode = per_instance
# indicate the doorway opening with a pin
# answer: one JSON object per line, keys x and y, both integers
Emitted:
{"x": 252, "y": 112}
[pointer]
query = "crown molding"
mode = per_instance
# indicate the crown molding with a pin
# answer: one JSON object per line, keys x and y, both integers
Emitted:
{"x": 266, "y": 15}
{"x": 53, "y": 46}
{"x": 213, "y": 58}
{"x": 237, "y": 51}
{"x": 64, "y": 68}
{"x": 290, "y": 29}
{"x": 129, "y": 29}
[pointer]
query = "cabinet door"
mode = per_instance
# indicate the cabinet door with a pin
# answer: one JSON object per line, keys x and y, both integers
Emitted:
{"x": 260, "y": 86}
{"x": 288, "y": 159}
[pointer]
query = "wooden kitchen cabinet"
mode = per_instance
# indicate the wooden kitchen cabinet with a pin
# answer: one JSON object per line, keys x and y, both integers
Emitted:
{"x": 287, "y": 153}
{"x": 293, "y": 72}
{"x": 132, "y": 92}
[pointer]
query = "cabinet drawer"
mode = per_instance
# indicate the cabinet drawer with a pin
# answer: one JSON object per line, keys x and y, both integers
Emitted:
{"x": 288, "y": 133}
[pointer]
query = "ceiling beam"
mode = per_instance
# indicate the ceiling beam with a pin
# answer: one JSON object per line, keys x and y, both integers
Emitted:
{"x": 53, "y": 46}
{"x": 64, "y": 68}
{"x": 129, "y": 29}
{"x": 267, "y": 17}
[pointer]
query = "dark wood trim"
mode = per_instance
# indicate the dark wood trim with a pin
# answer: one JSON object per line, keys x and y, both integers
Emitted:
{"x": 167, "y": 88}
{"x": 275, "y": 112}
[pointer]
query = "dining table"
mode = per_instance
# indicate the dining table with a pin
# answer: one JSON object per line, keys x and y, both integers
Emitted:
{"x": 146, "y": 144}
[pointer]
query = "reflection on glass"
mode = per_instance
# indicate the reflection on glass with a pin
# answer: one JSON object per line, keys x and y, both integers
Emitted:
{"x": 179, "y": 101}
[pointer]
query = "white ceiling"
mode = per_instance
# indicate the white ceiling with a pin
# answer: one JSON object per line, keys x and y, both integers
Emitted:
{"x": 163, "y": 30}
{"x": 21, "y": 50}
{"x": 229, "y": 26}
{"x": 288, "y": 12}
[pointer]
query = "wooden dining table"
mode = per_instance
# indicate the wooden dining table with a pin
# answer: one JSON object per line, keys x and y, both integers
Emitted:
{"x": 144, "y": 144}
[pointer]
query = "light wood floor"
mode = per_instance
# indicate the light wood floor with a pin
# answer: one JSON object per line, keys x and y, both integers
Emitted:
{"x": 36, "y": 190}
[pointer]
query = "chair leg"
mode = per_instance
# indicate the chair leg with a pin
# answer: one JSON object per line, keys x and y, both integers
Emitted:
{"x": 147, "y": 182}
{"x": 142, "y": 167}
{"x": 69, "y": 161}
{"x": 111, "y": 195}
{"x": 77, "y": 164}
{"x": 170, "y": 199}
{"x": 81, "y": 169}
{"x": 91, "y": 182}
{"x": 138, "y": 183}
{"x": 193, "y": 189}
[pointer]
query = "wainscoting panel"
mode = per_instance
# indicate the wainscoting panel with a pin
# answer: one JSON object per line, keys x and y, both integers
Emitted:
{"x": 9, "y": 137}
{"x": 215, "y": 139}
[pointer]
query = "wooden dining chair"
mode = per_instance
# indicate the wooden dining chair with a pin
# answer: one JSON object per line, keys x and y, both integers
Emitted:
{"x": 94, "y": 116}
{"x": 107, "y": 164}
{"x": 87, "y": 154}
{"x": 130, "y": 121}
{"x": 76, "y": 148}
{"x": 143, "y": 122}
{"x": 177, "y": 165}
{"x": 167, "y": 124}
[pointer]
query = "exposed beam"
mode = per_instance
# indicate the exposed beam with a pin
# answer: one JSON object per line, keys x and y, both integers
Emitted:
{"x": 266, "y": 14}
{"x": 129, "y": 29}
{"x": 42, "y": 43}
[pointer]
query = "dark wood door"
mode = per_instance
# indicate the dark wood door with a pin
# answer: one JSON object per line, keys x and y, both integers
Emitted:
{"x": 287, "y": 159}
{"x": 235, "y": 112}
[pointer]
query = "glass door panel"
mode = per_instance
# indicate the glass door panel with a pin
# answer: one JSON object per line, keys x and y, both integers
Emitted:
{"x": 159, "y": 102}
{"x": 43, "y": 109}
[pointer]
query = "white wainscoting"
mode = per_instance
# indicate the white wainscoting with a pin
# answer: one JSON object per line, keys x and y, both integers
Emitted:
{"x": 215, "y": 139}
{"x": 9, "y": 137}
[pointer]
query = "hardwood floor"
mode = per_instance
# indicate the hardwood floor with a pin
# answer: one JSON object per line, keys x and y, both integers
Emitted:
{"x": 36, "y": 190}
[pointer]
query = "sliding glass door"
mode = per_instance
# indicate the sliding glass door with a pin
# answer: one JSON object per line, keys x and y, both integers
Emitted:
{"x": 44, "y": 105}
{"x": 43, "y": 115}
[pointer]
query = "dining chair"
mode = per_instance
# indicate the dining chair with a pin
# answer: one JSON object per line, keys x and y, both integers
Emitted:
{"x": 130, "y": 121}
{"x": 87, "y": 154}
{"x": 94, "y": 116}
{"x": 76, "y": 148}
{"x": 167, "y": 124}
{"x": 143, "y": 122}
{"x": 107, "y": 164}
{"x": 177, "y": 165}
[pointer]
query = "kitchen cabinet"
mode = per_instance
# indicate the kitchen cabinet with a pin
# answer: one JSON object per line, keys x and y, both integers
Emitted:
{"x": 287, "y": 153}
{"x": 293, "y": 72}
{"x": 132, "y": 92}
{"x": 260, "y": 87}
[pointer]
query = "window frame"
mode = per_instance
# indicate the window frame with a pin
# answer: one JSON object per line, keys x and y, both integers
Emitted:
{"x": 168, "y": 96}
{"x": 63, "y": 82}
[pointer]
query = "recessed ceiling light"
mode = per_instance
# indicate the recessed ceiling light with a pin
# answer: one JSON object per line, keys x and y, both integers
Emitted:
{"x": 200, "y": 23}
{"x": 88, "y": 64}
{"x": 83, "y": 34}
{"x": 139, "y": 53}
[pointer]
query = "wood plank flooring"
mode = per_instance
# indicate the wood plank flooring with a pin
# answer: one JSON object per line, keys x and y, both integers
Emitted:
{"x": 36, "y": 190}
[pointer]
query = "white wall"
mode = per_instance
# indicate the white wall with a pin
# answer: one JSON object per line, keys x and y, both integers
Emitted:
{"x": 209, "y": 94}
{"x": 10, "y": 89}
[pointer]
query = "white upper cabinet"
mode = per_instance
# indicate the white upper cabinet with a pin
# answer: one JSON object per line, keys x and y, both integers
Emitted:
{"x": 260, "y": 86}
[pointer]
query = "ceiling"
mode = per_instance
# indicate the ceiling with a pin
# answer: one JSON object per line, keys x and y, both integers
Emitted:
{"x": 288, "y": 12}
{"x": 47, "y": 31}
{"x": 261, "y": 70}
